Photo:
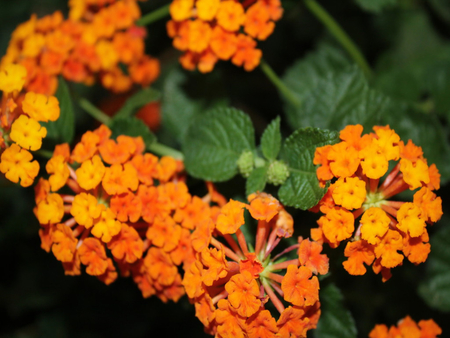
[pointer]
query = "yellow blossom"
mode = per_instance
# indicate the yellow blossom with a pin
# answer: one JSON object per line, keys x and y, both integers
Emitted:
{"x": 349, "y": 192}
{"x": 59, "y": 172}
{"x": 16, "y": 164}
{"x": 375, "y": 223}
{"x": 50, "y": 210}
{"x": 27, "y": 133}
{"x": 85, "y": 209}
{"x": 12, "y": 78}
{"x": 41, "y": 107}
{"x": 90, "y": 173}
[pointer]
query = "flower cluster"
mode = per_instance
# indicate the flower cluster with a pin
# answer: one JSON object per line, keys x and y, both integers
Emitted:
{"x": 20, "y": 129}
{"x": 407, "y": 328}
{"x": 235, "y": 285}
{"x": 356, "y": 166}
{"x": 98, "y": 39}
{"x": 111, "y": 207}
{"x": 211, "y": 30}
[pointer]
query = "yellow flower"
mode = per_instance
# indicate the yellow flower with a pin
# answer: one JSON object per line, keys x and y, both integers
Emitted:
{"x": 27, "y": 133}
{"x": 90, "y": 173}
{"x": 57, "y": 167}
{"x": 349, "y": 192}
{"x": 50, "y": 210}
{"x": 16, "y": 164}
{"x": 12, "y": 78}
{"x": 41, "y": 107}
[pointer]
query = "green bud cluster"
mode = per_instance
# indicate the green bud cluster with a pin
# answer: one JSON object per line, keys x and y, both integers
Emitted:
{"x": 246, "y": 163}
{"x": 277, "y": 173}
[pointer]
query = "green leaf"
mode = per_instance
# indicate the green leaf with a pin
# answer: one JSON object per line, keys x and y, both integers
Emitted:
{"x": 181, "y": 102}
{"x": 442, "y": 8}
{"x": 376, "y": 5}
{"x": 341, "y": 99}
{"x": 63, "y": 129}
{"x": 301, "y": 189}
{"x": 177, "y": 109}
{"x": 214, "y": 142}
{"x": 138, "y": 100}
{"x": 435, "y": 289}
{"x": 305, "y": 74}
{"x": 271, "y": 140}
{"x": 416, "y": 46}
{"x": 256, "y": 181}
{"x": 132, "y": 126}
{"x": 336, "y": 321}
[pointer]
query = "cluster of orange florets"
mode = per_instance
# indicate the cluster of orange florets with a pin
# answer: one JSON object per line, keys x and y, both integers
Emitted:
{"x": 386, "y": 227}
{"x": 98, "y": 39}
{"x": 128, "y": 211}
{"x": 20, "y": 129}
{"x": 235, "y": 285}
{"x": 407, "y": 328}
{"x": 211, "y": 30}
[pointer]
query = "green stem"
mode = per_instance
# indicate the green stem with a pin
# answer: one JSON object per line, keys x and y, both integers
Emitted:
{"x": 94, "y": 111}
{"x": 161, "y": 149}
{"x": 336, "y": 30}
{"x": 284, "y": 90}
{"x": 44, "y": 153}
{"x": 153, "y": 16}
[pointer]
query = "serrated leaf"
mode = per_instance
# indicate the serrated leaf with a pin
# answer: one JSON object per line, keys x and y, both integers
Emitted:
{"x": 341, "y": 99}
{"x": 301, "y": 189}
{"x": 63, "y": 129}
{"x": 376, "y": 5}
{"x": 256, "y": 181}
{"x": 177, "y": 109}
{"x": 214, "y": 142}
{"x": 435, "y": 289}
{"x": 138, "y": 100}
{"x": 335, "y": 321}
{"x": 271, "y": 140}
{"x": 132, "y": 126}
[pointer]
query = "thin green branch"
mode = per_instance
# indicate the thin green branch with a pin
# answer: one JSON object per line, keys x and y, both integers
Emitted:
{"x": 284, "y": 90}
{"x": 337, "y": 31}
{"x": 44, "y": 153}
{"x": 162, "y": 150}
{"x": 153, "y": 16}
{"x": 94, "y": 111}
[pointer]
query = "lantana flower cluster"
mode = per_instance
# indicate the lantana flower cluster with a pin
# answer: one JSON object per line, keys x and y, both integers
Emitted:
{"x": 407, "y": 328}
{"x": 20, "y": 130}
{"x": 361, "y": 189}
{"x": 211, "y": 30}
{"x": 236, "y": 286}
{"x": 99, "y": 39}
{"x": 110, "y": 207}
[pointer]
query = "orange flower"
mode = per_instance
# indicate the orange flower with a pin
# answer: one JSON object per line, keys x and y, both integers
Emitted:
{"x": 127, "y": 245}
{"x": 309, "y": 256}
{"x": 231, "y": 217}
{"x": 243, "y": 293}
{"x": 298, "y": 288}
{"x": 92, "y": 254}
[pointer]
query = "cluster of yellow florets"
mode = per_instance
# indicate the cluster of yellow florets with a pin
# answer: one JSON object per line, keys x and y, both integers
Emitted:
{"x": 386, "y": 227}
{"x": 20, "y": 129}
